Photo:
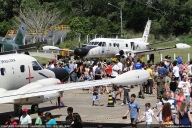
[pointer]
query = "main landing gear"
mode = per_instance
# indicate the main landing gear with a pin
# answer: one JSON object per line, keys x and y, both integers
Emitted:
{"x": 18, "y": 109}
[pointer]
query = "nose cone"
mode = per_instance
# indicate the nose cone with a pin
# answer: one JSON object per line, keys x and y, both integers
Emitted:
{"x": 81, "y": 51}
{"x": 60, "y": 74}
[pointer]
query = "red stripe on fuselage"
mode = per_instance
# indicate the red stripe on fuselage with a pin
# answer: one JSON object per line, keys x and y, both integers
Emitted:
{"x": 30, "y": 77}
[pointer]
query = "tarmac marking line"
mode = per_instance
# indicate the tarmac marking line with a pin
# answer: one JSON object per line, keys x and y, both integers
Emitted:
{"x": 108, "y": 118}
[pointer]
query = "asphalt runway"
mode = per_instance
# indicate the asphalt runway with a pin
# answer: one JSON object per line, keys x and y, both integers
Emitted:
{"x": 81, "y": 101}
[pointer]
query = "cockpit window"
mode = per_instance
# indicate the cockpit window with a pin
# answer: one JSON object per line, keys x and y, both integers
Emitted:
{"x": 100, "y": 44}
{"x": 40, "y": 65}
{"x": 103, "y": 44}
{"x": 36, "y": 66}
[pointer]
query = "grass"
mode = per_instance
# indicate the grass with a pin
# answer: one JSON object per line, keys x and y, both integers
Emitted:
{"x": 183, "y": 53}
{"x": 41, "y": 59}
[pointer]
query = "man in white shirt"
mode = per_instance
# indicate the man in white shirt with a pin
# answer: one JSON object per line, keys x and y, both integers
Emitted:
{"x": 115, "y": 70}
{"x": 185, "y": 85}
{"x": 120, "y": 65}
{"x": 94, "y": 68}
{"x": 25, "y": 119}
{"x": 176, "y": 70}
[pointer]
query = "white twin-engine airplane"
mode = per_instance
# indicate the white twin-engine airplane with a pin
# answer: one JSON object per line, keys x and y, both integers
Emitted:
{"x": 110, "y": 47}
{"x": 25, "y": 82}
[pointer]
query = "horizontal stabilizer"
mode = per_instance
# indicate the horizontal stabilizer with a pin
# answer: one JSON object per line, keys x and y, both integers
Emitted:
{"x": 178, "y": 46}
{"x": 164, "y": 42}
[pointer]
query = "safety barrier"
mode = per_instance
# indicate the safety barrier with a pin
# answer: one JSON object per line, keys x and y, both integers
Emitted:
{"x": 174, "y": 56}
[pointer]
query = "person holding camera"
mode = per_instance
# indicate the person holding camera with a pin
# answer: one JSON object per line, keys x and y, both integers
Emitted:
{"x": 134, "y": 110}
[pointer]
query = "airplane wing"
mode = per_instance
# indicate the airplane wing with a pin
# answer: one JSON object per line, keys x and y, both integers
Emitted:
{"x": 179, "y": 46}
{"x": 17, "y": 51}
{"x": 48, "y": 86}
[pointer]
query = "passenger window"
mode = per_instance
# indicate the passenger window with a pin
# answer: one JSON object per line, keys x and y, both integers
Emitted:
{"x": 100, "y": 44}
{"x": 22, "y": 68}
{"x": 2, "y": 71}
{"x": 36, "y": 66}
{"x": 110, "y": 44}
{"x": 126, "y": 45}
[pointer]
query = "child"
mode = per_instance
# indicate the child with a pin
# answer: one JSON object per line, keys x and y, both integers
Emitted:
{"x": 148, "y": 115}
{"x": 38, "y": 120}
{"x": 96, "y": 96}
{"x": 11, "y": 121}
{"x": 158, "y": 106}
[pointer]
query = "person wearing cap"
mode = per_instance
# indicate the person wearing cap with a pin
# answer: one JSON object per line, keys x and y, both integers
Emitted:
{"x": 25, "y": 119}
{"x": 160, "y": 85}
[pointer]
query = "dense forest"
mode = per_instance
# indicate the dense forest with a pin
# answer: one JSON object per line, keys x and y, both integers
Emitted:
{"x": 169, "y": 17}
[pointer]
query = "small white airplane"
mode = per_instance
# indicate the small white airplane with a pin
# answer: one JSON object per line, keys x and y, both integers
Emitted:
{"x": 110, "y": 47}
{"x": 25, "y": 82}
{"x": 54, "y": 48}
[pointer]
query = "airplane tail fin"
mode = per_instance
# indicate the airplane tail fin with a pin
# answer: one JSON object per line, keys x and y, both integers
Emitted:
{"x": 20, "y": 35}
{"x": 146, "y": 31}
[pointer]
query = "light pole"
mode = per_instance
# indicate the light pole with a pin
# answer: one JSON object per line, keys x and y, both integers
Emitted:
{"x": 121, "y": 16}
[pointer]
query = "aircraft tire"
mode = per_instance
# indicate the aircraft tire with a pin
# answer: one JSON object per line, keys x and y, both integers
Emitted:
{"x": 17, "y": 110}
{"x": 34, "y": 108}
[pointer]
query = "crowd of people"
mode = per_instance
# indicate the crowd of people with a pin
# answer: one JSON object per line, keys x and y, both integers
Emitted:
{"x": 73, "y": 120}
{"x": 170, "y": 80}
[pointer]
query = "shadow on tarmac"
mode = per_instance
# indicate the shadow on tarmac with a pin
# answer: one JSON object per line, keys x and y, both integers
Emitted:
{"x": 4, "y": 116}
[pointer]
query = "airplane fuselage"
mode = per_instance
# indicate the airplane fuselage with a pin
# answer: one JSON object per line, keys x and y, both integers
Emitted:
{"x": 17, "y": 70}
{"x": 103, "y": 47}
{"x": 8, "y": 45}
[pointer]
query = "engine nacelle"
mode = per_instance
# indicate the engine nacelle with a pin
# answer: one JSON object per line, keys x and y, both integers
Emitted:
{"x": 37, "y": 99}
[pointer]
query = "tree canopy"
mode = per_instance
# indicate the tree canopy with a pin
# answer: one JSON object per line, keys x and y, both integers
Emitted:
{"x": 169, "y": 17}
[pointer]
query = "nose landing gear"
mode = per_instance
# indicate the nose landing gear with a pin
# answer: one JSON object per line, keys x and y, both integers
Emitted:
{"x": 34, "y": 108}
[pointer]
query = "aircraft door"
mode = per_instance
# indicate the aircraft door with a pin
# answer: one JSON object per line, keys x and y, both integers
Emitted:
{"x": 108, "y": 48}
{"x": 133, "y": 45}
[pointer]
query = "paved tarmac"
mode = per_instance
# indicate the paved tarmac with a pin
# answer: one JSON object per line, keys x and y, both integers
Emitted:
{"x": 81, "y": 101}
